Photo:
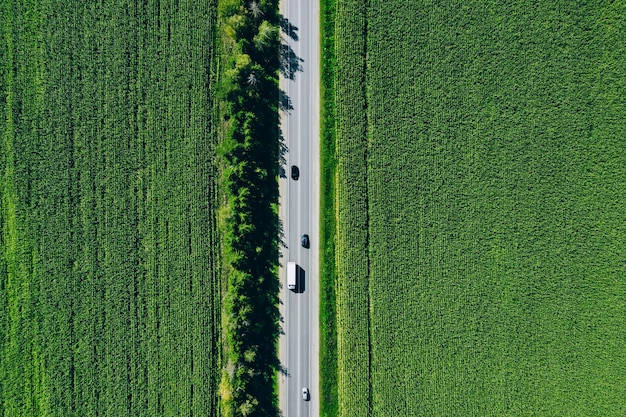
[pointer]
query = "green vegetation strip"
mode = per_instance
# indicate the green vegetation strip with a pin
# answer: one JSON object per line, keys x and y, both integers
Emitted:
{"x": 249, "y": 88}
{"x": 328, "y": 279}
{"x": 495, "y": 168}
{"x": 109, "y": 301}
{"x": 352, "y": 262}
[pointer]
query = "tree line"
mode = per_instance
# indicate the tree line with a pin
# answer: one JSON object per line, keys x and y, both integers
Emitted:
{"x": 250, "y": 151}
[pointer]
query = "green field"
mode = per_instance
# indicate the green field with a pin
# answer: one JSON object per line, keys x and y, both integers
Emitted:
{"x": 481, "y": 208}
{"x": 109, "y": 251}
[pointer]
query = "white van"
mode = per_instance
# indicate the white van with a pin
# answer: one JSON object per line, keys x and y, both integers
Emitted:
{"x": 292, "y": 275}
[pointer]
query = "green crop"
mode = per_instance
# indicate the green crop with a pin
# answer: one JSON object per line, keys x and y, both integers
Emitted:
{"x": 109, "y": 267}
{"x": 481, "y": 198}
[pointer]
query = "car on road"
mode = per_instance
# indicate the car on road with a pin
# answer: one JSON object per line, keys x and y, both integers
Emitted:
{"x": 305, "y": 241}
{"x": 295, "y": 172}
{"x": 305, "y": 394}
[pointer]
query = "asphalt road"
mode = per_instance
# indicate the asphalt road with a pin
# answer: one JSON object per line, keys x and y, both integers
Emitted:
{"x": 299, "y": 211}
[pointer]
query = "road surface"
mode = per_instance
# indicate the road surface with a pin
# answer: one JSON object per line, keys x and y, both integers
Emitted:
{"x": 299, "y": 211}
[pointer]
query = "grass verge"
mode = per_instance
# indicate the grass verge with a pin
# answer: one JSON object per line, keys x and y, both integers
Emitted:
{"x": 328, "y": 330}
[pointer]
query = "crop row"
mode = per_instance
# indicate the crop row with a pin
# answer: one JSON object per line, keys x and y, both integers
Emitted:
{"x": 352, "y": 264}
{"x": 113, "y": 301}
{"x": 480, "y": 188}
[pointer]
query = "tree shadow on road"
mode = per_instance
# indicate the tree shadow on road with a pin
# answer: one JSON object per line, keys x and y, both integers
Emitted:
{"x": 290, "y": 63}
{"x": 284, "y": 102}
{"x": 282, "y": 155}
{"x": 288, "y": 28}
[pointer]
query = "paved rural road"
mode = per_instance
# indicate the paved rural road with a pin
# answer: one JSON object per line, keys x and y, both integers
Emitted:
{"x": 299, "y": 211}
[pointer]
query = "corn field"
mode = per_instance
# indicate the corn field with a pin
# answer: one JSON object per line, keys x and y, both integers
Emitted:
{"x": 109, "y": 250}
{"x": 481, "y": 198}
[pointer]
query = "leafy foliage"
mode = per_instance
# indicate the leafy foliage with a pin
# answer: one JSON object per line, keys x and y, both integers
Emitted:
{"x": 481, "y": 195}
{"x": 250, "y": 157}
{"x": 328, "y": 280}
{"x": 109, "y": 269}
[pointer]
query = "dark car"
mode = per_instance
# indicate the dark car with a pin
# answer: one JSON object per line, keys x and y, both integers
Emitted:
{"x": 295, "y": 172}
{"x": 305, "y": 241}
